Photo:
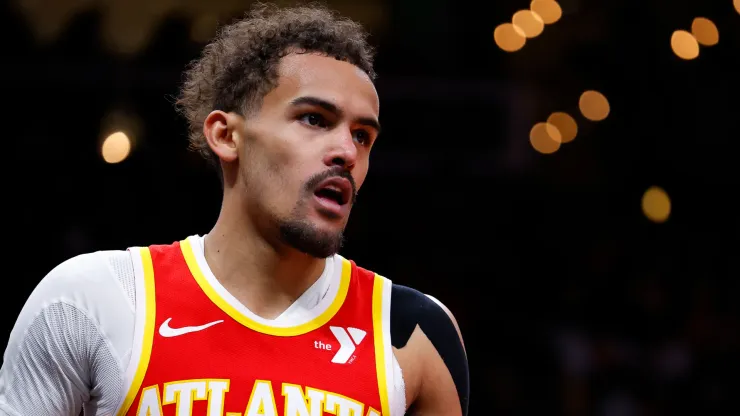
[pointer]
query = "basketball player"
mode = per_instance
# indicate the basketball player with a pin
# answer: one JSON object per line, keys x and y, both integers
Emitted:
{"x": 261, "y": 316}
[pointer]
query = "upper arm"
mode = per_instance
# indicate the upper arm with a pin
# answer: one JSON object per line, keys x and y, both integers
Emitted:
{"x": 44, "y": 369}
{"x": 59, "y": 354}
{"x": 427, "y": 330}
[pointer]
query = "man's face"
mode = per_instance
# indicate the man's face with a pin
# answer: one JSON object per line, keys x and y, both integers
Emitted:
{"x": 305, "y": 152}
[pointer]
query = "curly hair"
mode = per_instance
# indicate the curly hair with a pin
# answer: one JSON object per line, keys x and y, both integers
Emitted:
{"x": 240, "y": 65}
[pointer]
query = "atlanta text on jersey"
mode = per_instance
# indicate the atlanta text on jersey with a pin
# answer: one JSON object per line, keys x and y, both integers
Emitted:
{"x": 297, "y": 401}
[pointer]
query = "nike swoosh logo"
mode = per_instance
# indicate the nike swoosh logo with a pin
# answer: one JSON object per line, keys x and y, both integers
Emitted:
{"x": 167, "y": 331}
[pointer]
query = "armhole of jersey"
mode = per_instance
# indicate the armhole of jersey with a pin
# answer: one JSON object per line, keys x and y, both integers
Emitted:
{"x": 143, "y": 327}
{"x": 382, "y": 337}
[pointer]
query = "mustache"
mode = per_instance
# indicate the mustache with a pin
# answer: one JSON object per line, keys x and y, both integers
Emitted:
{"x": 334, "y": 172}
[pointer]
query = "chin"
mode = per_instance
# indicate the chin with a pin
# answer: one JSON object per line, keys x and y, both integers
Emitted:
{"x": 315, "y": 238}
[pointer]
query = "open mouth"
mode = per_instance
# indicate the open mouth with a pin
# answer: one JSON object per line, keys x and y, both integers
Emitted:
{"x": 331, "y": 194}
{"x": 336, "y": 190}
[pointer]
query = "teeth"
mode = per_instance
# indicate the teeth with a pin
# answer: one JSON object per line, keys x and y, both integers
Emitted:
{"x": 331, "y": 193}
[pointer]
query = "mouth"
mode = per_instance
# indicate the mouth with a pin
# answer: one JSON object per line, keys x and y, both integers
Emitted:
{"x": 335, "y": 190}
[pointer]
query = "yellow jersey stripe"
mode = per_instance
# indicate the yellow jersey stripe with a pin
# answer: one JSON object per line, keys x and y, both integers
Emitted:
{"x": 380, "y": 343}
{"x": 223, "y": 304}
{"x": 146, "y": 348}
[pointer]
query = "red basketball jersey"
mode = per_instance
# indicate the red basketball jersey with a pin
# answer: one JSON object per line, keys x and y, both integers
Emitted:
{"x": 196, "y": 354}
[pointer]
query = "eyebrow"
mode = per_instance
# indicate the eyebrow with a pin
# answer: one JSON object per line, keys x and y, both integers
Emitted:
{"x": 326, "y": 105}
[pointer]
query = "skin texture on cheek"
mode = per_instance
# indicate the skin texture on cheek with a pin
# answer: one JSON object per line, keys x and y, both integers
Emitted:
{"x": 284, "y": 172}
{"x": 274, "y": 167}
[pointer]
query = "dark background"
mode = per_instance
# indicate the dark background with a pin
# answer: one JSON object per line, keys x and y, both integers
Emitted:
{"x": 570, "y": 300}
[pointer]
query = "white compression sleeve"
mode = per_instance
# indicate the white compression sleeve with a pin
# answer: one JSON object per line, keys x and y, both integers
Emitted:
{"x": 71, "y": 341}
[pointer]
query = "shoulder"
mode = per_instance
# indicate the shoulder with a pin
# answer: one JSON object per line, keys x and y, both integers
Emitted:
{"x": 98, "y": 285}
{"x": 410, "y": 307}
{"x": 85, "y": 278}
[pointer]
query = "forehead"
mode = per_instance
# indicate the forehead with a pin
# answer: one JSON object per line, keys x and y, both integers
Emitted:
{"x": 341, "y": 83}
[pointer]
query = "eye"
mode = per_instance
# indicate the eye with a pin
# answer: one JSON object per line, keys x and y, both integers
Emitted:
{"x": 362, "y": 137}
{"x": 314, "y": 119}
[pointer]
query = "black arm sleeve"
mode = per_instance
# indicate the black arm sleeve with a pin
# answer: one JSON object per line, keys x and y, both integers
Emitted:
{"x": 410, "y": 308}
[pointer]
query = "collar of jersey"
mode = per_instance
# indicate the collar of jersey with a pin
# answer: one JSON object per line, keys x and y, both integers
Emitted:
{"x": 231, "y": 306}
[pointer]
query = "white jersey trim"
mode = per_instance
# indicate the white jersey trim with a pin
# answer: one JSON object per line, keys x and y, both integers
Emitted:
{"x": 296, "y": 314}
{"x": 390, "y": 362}
{"x": 139, "y": 323}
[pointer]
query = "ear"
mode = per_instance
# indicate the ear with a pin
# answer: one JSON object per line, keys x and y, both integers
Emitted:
{"x": 220, "y": 130}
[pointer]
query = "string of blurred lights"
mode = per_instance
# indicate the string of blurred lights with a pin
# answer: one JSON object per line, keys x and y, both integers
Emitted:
{"x": 526, "y": 24}
{"x": 686, "y": 44}
{"x": 547, "y": 137}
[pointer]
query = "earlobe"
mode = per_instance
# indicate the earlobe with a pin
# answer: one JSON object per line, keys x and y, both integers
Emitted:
{"x": 219, "y": 131}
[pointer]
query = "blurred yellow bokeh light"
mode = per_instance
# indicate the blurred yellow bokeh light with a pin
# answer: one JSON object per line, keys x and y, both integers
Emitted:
{"x": 529, "y": 22}
{"x": 508, "y": 37}
{"x": 116, "y": 147}
{"x": 545, "y": 138}
{"x": 548, "y": 10}
{"x": 594, "y": 105}
{"x": 705, "y": 31}
{"x": 656, "y": 205}
{"x": 566, "y": 125}
{"x": 684, "y": 45}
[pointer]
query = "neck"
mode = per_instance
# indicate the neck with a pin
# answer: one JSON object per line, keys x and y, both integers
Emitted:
{"x": 264, "y": 276}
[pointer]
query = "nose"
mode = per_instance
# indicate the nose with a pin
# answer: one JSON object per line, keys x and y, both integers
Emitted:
{"x": 342, "y": 151}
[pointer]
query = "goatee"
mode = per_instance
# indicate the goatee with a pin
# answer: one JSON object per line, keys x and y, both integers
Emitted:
{"x": 307, "y": 238}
